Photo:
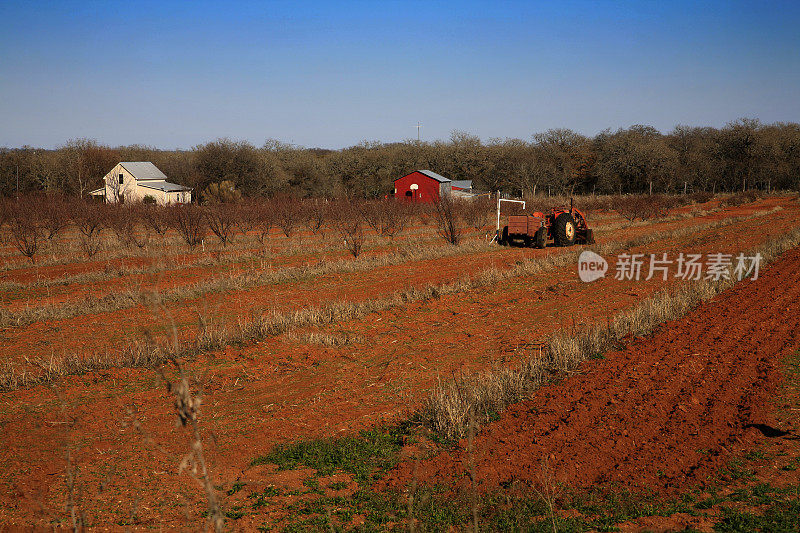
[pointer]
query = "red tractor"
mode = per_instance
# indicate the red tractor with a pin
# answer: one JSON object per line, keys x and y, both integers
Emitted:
{"x": 564, "y": 226}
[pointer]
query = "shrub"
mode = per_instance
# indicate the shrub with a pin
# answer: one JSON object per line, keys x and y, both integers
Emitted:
{"x": 701, "y": 197}
{"x": 591, "y": 204}
{"x": 642, "y": 207}
{"x": 740, "y": 198}
{"x": 148, "y": 199}
{"x": 222, "y": 192}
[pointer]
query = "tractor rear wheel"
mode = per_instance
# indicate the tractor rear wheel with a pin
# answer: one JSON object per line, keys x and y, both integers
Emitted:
{"x": 540, "y": 239}
{"x": 564, "y": 230}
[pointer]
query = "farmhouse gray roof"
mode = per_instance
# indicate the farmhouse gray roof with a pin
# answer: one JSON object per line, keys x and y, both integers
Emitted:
{"x": 165, "y": 186}
{"x": 143, "y": 170}
{"x": 434, "y": 175}
{"x": 462, "y": 184}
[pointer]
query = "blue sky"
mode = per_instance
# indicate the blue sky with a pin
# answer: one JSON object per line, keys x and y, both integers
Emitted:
{"x": 331, "y": 74}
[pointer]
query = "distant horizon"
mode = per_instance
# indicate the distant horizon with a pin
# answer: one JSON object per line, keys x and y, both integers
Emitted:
{"x": 173, "y": 74}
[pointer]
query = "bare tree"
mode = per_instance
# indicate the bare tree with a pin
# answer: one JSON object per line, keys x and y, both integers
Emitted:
{"x": 448, "y": 219}
{"x": 220, "y": 218}
{"x": 245, "y": 217}
{"x": 349, "y": 222}
{"x": 315, "y": 214}
{"x": 155, "y": 217}
{"x": 25, "y": 227}
{"x": 477, "y": 212}
{"x": 55, "y": 215}
{"x": 126, "y": 222}
{"x": 287, "y": 214}
{"x": 386, "y": 217}
{"x": 89, "y": 219}
{"x": 264, "y": 218}
{"x": 187, "y": 220}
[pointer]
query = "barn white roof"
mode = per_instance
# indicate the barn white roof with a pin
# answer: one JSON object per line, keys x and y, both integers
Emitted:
{"x": 143, "y": 170}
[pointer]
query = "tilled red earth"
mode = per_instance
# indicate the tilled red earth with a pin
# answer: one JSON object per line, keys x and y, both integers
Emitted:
{"x": 663, "y": 412}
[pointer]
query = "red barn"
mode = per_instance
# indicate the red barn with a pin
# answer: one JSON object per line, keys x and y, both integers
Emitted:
{"x": 422, "y": 186}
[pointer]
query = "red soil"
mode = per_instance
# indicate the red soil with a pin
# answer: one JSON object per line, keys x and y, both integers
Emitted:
{"x": 659, "y": 413}
{"x": 282, "y": 389}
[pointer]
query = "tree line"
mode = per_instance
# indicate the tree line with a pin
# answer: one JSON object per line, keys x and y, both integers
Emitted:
{"x": 744, "y": 155}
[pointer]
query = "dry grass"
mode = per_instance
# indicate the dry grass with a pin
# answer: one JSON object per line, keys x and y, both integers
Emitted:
{"x": 329, "y": 340}
{"x": 242, "y": 280}
{"x": 447, "y": 409}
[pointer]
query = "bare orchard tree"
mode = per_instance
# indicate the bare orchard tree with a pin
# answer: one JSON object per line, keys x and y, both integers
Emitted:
{"x": 25, "y": 227}
{"x": 349, "y": 222}
{"x": 4, "y": 215}
{"x": 449, "y": 223}
{"x": 264, "y": 219}
{"x": 287, "y": 213}
{"x": 187, "y": 220}
{"x": 477, "y": 212}
{"x": 55, "y": 215}
{"x": 125, "y": 221}
{"x": 246, "y": 216}
{"x": 220, "y": 218}
{"x": 387, "y": 217}
{"x": 89, "y": 218}
{"x": 315, "y": 215}
{"x": 155, "y": 217}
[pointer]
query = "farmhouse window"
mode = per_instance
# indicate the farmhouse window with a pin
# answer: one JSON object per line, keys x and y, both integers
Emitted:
{"x": 121, "y": 179}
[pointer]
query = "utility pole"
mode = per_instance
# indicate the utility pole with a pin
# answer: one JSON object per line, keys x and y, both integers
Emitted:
{"x": 419, "y": 126}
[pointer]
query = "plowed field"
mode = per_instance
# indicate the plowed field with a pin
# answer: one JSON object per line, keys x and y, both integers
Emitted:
{"x": 662, "y": 412}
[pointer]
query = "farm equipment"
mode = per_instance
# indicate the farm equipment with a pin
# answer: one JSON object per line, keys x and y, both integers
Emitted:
{"x": 564, "y": 226}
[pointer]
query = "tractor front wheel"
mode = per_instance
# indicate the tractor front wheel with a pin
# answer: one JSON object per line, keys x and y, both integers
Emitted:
{"x": 540, "y": 239}
{"x": 503, "y": 240}
{"x": 564, "y": 230}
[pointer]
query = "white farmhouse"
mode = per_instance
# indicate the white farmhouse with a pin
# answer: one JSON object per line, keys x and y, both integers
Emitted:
{"x": 134, "y": 181}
